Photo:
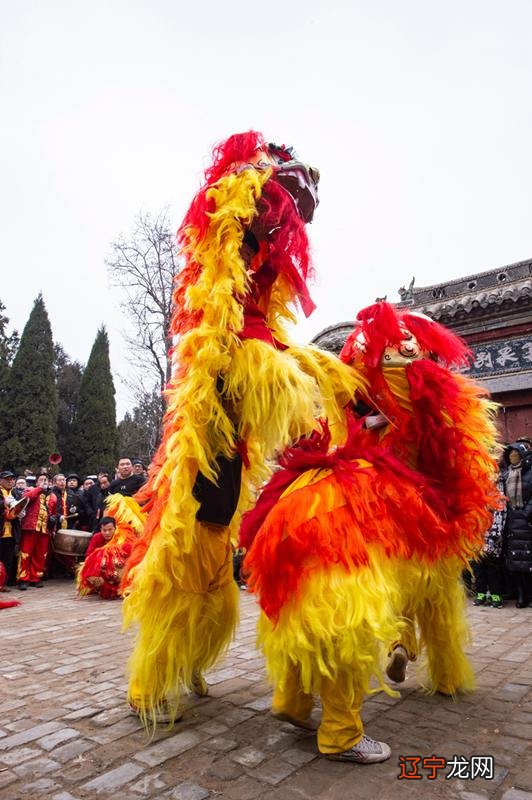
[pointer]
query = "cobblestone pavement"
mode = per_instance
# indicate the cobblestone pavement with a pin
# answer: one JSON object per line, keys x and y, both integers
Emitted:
{"x": 66, "y": 733}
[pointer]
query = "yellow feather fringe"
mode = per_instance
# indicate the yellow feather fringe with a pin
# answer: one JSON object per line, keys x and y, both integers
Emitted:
{"x": 342, "y": 625}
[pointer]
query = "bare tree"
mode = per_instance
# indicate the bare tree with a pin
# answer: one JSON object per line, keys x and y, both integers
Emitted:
{"x": 144, "y": 265}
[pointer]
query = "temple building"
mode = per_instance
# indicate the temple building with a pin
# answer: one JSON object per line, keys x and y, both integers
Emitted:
{"x": 492, "y": 311}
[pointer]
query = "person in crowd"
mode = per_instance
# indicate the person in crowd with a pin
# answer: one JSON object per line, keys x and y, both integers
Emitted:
{"x": 62, "y": 504}
{"x": 518, "y": 490}
{"x": 109, "y": 549}
{"x": 73, "y": 481}
{"x": 34, "y": 539}
{"x": 95, "y": 500}
{"x": 526, "y": 441}
{"x": 139, "y": 468}
{"x": 126, "y": 483}
{"x": 7, "y": 534}
{"x": 488, "y": 570}
{"x": 20, "y": 487}
{"x": 85, "y": 514}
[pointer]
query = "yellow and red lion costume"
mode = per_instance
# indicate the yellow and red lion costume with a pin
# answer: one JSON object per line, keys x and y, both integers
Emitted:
{"x": 350, "y": 546}
{"x": 240, "y": 392}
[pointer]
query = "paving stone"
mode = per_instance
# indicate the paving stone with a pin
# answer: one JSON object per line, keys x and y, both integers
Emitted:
{"x": 29, "y": 735}
{"x": 19, "y": 755}
{"x": 224, "y": 770}
{"x": 188, "y": 790}
{"x": 36, "y": 766}
{"x": 57, "y": 738}
{"x": 114, "y": 779}
{"x": 273, "y": 771}
{"x": 516, "y": 794}
{"x": 43, "y": 785}
{"x": 149, "y": 785}
{"x": 6, "y": 777}
{"x": 81, "y": 713}
{"x": 221, "y": 744}
{"x": 64, "y": 796}
{"x": 248, "y": 756}
{"x": 71, "y": 750}
{"x": 168, "y": 748}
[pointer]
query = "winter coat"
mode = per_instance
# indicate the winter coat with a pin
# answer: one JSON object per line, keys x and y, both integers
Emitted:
{"x": 519, "y": 523}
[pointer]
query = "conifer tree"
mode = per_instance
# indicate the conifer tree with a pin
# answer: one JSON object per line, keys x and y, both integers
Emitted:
{"x": 8, "y": 347}
{"x": 68, "y": 376}
{"x": 31, "y": 396}
{"x": 95, "y": 433}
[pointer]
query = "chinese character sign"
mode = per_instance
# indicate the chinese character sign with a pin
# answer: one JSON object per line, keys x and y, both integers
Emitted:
{"x": 493, "y": 358}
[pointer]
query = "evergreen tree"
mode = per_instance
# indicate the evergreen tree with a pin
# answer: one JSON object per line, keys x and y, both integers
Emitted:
{"x": 95, "y": 435}
{"x": 68, "y": 375}
{"x": 8, "y": 348}
{"x": 31, "y": 396}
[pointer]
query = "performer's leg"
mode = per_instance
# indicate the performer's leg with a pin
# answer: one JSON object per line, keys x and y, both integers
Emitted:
{"x": 341, "y": 733}
{"x": 291, "y": 703}
{"x": 341, "y": 726}
{"x": 201, "y": 614}
{"x": 38, "y": 558}
{"x": 27, "y": 543}
{"x": 404, "y": 649}
{"x": 445, "y": 632}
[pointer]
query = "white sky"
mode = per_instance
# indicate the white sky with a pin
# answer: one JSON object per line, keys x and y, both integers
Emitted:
{"x": 418, "y": 114}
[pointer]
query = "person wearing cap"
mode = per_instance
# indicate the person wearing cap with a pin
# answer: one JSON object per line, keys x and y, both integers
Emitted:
{"x": 139, "y": 468}
{"x": 7, "y": 538}
{"x": 73, "y": 482}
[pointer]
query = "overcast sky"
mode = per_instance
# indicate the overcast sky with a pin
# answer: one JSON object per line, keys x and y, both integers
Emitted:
{"x": 418, "y": 114}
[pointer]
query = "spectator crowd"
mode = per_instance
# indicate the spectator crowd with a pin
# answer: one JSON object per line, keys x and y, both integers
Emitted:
{"x": 34, "y": 508}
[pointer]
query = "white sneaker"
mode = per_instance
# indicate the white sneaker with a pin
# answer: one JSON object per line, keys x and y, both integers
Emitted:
{"x": 366, "y": 751}
{"x": 396, "y": 669}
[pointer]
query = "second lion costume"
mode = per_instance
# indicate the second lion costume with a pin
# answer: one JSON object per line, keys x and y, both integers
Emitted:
{"x": 350, "y": 546}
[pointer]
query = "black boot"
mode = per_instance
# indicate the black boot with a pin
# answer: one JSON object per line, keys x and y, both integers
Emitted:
{"x": 521, "y": 601}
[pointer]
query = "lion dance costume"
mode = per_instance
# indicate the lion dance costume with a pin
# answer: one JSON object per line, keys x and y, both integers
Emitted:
{"x": 350, "y": 546}
{"x": 239, "y": 392}
{"x": 101, "y": 572}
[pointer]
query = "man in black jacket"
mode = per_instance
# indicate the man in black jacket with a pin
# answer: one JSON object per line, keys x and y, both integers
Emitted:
{"x": 126, "y": 482}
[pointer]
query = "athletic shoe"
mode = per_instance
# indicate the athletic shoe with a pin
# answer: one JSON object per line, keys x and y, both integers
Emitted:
{"x": 23, "y": 585}
{"x": 37, "y": 585}
{"x": 496, "y": 601}
{"x": 366, "y": 751}
{"x": 480, "y": 599}
{"x": 396, "y": 669}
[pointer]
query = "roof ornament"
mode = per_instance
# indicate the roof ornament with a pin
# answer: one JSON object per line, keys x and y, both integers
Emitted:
{"x": 407, "y": 295}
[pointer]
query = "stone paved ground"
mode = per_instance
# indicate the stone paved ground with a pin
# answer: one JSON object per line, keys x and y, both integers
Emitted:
{"x": 66, "y": 734}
